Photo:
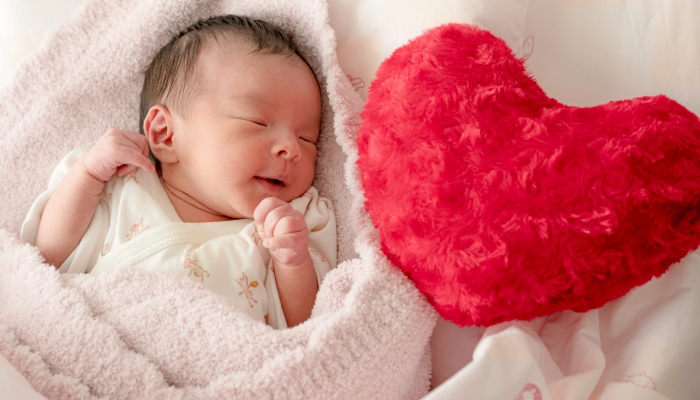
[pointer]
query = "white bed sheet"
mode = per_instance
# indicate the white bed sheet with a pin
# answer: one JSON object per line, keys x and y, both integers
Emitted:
{"x": 588, "y": 52}
{"x": 368, "y": 31}
{"x": 645, "y": 345}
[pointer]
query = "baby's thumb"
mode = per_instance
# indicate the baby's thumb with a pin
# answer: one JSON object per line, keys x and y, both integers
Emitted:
{"x": 126, "y": 169}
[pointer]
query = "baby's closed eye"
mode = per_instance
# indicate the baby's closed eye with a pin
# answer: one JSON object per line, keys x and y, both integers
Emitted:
{"x": 308, "y": 136}
{"x": 252, "y": 121}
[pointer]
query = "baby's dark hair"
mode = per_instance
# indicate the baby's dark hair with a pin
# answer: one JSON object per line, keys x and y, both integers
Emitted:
{"x": 171, "y": 78}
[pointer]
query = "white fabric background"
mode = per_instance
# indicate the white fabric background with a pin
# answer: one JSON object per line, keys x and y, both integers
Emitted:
{"x": 368, "y": 31}
{"x": 588, "y": 52}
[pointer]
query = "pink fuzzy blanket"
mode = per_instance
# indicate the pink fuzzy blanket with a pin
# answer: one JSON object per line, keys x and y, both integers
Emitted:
{"x": 133, "y": 334}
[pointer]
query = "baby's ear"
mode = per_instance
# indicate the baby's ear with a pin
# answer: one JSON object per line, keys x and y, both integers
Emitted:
{"x": 158, "y": 127}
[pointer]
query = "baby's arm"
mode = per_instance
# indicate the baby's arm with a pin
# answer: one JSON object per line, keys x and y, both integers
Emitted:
{"x": 72, "y": 205}
{"x": 285, "y": 233}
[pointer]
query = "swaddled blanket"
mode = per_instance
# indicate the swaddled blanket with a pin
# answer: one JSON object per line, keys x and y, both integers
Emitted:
{"x": 134, "y": 334}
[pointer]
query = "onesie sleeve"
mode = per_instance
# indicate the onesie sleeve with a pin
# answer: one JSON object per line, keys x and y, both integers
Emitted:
{"x": 85, "y": 254}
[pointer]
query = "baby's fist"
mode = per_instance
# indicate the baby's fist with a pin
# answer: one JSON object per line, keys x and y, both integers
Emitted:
{"x": 283, "y": 231}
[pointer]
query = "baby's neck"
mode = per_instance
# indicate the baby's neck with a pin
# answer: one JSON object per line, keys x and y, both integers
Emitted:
{"x": 188, "y": 208}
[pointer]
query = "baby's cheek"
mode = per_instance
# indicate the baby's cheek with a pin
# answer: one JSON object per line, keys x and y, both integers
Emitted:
{"x": 306, "y": 177}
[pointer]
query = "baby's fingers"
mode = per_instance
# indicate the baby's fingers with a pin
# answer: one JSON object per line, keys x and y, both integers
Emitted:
{"x": 288, "y": 241}
{"x": 141, "y": 142}
{"x": 137, "y": 159}
{"x": 264, "y": 208}
{"x": 281, "y": 223}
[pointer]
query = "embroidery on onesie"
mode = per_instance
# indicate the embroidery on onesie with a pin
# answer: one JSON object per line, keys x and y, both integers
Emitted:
{"x": 136, "y": 229}
{"x": 327, "y": 202}
{"x": 255, "y": 235}
{"x": 131, "y": 175}
{"x": 243, "y": 281}
{"x": 319, "y": 255}
{"x": 311, "y": 197}
{"x": 190, "y": 261}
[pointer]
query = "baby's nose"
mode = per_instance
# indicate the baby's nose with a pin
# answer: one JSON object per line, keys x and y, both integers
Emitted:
{"x": 288, "y": 147}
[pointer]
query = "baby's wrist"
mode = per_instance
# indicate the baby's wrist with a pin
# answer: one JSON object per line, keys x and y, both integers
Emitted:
{"x": 303, "y": 261}
{"x": 87, "y": 182}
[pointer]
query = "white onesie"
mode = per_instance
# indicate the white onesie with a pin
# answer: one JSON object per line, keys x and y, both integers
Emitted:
{"x": 136, "y": 225}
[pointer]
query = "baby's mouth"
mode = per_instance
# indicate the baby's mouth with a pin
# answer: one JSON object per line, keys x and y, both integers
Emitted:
{"x": 270, "y": 181}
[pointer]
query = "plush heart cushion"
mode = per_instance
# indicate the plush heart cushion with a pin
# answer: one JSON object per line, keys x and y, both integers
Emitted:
{"x": 501, "y": 203}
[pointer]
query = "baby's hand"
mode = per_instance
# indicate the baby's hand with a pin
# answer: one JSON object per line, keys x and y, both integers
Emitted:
{"x": 117, "y": 152}
{"x": 283, "y": 231}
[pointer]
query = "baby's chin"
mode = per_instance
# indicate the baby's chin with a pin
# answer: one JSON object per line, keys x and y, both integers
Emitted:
{"x": 232, "y": 210}
{"x": 241, "y": 213}
{"x": 247, "y": 210}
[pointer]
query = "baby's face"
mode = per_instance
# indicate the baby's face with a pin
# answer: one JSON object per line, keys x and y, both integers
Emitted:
{"x": 251, "y": 134}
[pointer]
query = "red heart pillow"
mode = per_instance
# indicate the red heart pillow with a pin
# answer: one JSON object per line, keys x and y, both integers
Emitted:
{"x": 501, "y": 203}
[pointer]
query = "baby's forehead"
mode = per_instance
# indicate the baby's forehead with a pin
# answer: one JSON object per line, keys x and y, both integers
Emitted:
{"x": 239, "y": 46}
{"x": 232, "y": 70}
{"x": 224, "y": 61}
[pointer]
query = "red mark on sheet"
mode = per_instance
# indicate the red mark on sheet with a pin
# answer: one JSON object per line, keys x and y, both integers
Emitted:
{"x": 642, "y": 380}
{"x": 357, "y": 83}
{"x": 530, "y": 392}
{"x": 528, "y": 47}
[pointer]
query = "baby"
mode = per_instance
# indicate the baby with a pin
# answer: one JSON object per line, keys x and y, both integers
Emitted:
{"x": 231, "y": 113}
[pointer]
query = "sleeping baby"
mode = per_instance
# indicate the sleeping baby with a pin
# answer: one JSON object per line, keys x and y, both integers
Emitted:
{"x": 231, "y": 114}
